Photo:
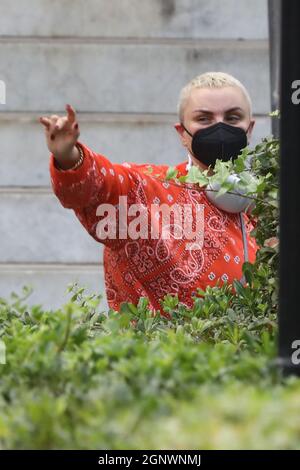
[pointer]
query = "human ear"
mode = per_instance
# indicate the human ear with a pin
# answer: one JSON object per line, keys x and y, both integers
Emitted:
{"x": 250, "y": 130}
{"x": 182, "y": 134}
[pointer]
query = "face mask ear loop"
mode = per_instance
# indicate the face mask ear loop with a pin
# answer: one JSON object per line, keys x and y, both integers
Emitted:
{"x": 186, "y": 129}
{"x": 247, "y": 133}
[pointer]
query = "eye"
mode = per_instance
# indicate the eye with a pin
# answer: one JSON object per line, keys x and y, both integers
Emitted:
{"x": 203, "y": 119}
{"x": 233, "y": 118}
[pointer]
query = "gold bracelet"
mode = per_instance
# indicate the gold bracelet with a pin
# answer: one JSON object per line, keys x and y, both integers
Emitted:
{"x": 77, "y": 164}
{"x": 80, "y": 159}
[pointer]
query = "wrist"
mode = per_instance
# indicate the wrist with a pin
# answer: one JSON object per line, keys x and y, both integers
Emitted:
{"x": 71, "y": 161}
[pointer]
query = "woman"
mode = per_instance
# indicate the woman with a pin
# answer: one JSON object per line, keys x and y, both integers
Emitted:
{"x": 194, "y": 244}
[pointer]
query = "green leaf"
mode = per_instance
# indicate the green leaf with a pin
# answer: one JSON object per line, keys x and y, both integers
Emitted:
{"x": 171, "y": 173}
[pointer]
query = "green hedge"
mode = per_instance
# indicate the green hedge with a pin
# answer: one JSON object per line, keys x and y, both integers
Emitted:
{"x": 203, "y": 378}
{"x": 77, "y": 378}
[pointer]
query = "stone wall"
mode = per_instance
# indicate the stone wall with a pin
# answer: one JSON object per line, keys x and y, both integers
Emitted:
{"x": 121, "y": 64}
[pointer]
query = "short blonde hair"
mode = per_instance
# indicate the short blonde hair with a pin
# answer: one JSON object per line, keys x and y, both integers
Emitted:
{"x": 210, "y": 80}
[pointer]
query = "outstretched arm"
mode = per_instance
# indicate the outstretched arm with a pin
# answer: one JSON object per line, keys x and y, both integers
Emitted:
{"x": 85, "y": 184}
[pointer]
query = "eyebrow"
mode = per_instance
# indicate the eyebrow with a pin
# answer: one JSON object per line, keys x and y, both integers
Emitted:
{"x": 206, "y": 111}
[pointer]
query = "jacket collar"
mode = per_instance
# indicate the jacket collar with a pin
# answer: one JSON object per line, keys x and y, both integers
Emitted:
{"x": 185, "y": 166}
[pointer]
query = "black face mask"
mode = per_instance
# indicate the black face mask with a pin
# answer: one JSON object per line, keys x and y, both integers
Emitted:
{"x": 219, "y": 141}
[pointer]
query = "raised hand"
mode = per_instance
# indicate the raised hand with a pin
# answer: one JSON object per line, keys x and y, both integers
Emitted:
{"x": 62, "y": 133}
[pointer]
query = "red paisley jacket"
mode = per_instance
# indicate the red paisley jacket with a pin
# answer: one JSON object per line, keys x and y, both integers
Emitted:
{"x": 152, "y": 267}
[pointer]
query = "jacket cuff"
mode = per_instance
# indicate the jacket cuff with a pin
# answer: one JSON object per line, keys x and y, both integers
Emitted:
{"x": 70, "y": 176}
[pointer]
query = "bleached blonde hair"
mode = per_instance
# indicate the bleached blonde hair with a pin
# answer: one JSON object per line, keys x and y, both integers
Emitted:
{"x": 210, "y": 80}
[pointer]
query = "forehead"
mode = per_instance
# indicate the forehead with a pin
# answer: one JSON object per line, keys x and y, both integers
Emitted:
{"x": 216, "y": 100}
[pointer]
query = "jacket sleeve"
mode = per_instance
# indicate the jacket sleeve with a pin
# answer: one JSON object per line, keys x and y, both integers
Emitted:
{"x": 96, "y": 181}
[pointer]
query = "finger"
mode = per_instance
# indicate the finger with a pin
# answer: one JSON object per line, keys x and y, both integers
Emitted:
{"x": 75, "y": 126}
{"x": 54, "y": 118}
{"x": 45, "y": 121}
{"x": 60, "y": 123}
{"x": 71, "y": 113}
